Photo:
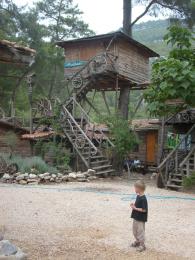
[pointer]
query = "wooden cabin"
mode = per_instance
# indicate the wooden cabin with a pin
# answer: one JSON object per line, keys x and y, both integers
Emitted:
{"x": 12, "y": 53}
{"x": 23, "y": 147}
{"x": 106, "y": 58}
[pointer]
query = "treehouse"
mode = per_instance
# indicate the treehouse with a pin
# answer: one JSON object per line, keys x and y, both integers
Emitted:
{"x": 99, "y": 63}
{"x": 112, "y": 61}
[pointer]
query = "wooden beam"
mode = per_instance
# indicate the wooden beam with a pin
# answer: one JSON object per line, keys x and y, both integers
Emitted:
{"x": 94, "y": 108}
{"x": 105, "y": 101}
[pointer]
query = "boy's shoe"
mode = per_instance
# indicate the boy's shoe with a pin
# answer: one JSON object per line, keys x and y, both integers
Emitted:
{"x": 141, "y": 248}
{"x": 135, "y": 244}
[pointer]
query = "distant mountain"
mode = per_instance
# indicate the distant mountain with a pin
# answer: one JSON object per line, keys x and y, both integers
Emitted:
{"x": 151, "y": 34}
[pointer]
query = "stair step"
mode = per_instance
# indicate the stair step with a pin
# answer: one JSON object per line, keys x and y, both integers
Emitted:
{"x": 176, "y": 180}
{"x": 105, "y": 172}
{"x": 97, "y": 157}
{"x": 102, "y": 166}
{"x": 177, "y": 175}
{"x": 99, "y": 162}
{"x": 173, "y": 186}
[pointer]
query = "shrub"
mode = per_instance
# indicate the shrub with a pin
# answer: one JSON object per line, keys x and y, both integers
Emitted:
{"x": 189, "y": 182}
{"x": 26, "y": 164}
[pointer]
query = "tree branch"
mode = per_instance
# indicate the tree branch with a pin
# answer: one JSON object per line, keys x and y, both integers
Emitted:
{"x": 144, "y": 13}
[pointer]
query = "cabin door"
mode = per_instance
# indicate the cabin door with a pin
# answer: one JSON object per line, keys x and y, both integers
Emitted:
{"x": 150, "y": 147}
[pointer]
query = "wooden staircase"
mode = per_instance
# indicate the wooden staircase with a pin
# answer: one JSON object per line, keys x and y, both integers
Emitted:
{"x": 179, "y": 163}
{"x": 74, "y": 119}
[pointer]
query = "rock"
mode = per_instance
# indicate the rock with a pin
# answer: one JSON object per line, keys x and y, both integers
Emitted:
{"x": 46, "y": 174}
{"x": 82, "y": 179}
{"x": 17, "y": 174}
{"x": 91, "y": 171}
{"x": 92, "y": 178}
{"x": 53, "y": 176}
{"x": 22, "y": 182}
{"x": 41, "y": 176}
{"x": 32, "y": 176}
{"x": 7, "y": 249}
{"x": 72, "y": 175}
{"x": 34, "y": 183}
{"x": 32, "y": 180}
{"x": 20, "y": 177}
{"x": 46, "y": 178}
{"x": 52, "y": 179}
{"x": 81, "y": 175}
{"x": 58, "y": 180}
{"x": 65, "y": 178}
{"x": 6, "y": 176}
{"x": 59, "y": 174}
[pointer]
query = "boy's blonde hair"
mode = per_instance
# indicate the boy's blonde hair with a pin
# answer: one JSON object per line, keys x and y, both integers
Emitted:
{"x": 140, "y": 184}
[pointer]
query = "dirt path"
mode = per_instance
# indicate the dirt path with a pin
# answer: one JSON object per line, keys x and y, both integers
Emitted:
{"x": 91, "y": 221}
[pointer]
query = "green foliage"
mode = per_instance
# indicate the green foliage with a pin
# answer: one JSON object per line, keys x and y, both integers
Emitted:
{"x": 28, "y": 163}
{"x": 124, "y": 138}
{"x": 11, "y": 139}
{"x": 189, "y": 182}
{"x": 59, "y": 152}
{"x": 173, "y": 77}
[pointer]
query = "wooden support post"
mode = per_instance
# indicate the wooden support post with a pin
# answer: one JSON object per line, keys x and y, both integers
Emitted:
{"x": 116, "y": 96}
{"x": 92, "y": 106}
{"x": 105, "y": 101}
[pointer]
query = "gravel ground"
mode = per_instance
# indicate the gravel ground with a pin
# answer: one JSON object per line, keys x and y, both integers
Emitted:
{"x": 91, "y": 221}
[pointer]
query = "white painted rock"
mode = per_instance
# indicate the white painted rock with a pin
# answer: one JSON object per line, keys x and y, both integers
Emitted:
{"x": 53, "y": 176}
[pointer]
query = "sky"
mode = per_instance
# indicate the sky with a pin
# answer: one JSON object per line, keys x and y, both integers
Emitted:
{"x": 102, "y": 15}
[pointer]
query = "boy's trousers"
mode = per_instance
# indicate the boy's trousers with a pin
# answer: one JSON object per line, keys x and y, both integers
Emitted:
{"x": 139, "y": 231}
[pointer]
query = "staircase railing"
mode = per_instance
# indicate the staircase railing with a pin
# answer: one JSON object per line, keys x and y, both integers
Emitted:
{"x": 77, "y": 136}
{"x": 85, "y": 118}
{"x": 172, "y": 161}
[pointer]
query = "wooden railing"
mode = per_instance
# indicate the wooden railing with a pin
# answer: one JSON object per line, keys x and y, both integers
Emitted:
{"x": 172, "y": 161}
{"x": 81, "y": 113}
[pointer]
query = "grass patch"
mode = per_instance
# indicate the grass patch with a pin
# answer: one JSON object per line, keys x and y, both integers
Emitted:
{"x": 189, "y": 182}
{"x": 26, "y": 164}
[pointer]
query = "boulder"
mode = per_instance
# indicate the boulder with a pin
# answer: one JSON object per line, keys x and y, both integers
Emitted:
{"x": 20, "y": 177}
{"x": 82, "y": 179}
{"x": 65, "y": 178}
{"x": 17, "y": 174}
{"x": 32, "y": 180}
{"x": 72, "y": 175}
{"x": 92, "y": 178}
{"x": 53, "y": 176}
{"x": 91, "y": 172}
{"x": 46, "y": 178}
{"x": 59, "y": 174}
{"x": 80, "y": 175}
{"x": 32, "y": 176}
{"x": 46, "y": 174}
{"x": 7, "y": 249}
{"x": 22, "y": 182}
{"x": 52, "y": 179}
{"x": 6, "y": 176}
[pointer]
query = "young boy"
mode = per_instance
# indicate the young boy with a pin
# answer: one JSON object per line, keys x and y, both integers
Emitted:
{"x": 139, "y": 215}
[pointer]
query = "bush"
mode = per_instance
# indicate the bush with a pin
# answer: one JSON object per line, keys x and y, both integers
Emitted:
{"x": 189, "y": 182}
{"x": 26, "y": 164}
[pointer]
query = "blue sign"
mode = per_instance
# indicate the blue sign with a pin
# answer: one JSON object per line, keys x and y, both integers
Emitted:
{"x": 75, "y": 63}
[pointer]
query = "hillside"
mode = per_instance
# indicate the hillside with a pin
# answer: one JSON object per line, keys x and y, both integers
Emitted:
{"x": 151, "y": 33}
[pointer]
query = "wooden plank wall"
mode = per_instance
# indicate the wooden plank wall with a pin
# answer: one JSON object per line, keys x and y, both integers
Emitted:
{"x": 132, "y": 63}
{"x": 23, "y": 147}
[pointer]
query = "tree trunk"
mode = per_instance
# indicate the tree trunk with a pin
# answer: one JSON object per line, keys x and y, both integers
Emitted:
{"x": 123, "y": 105}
